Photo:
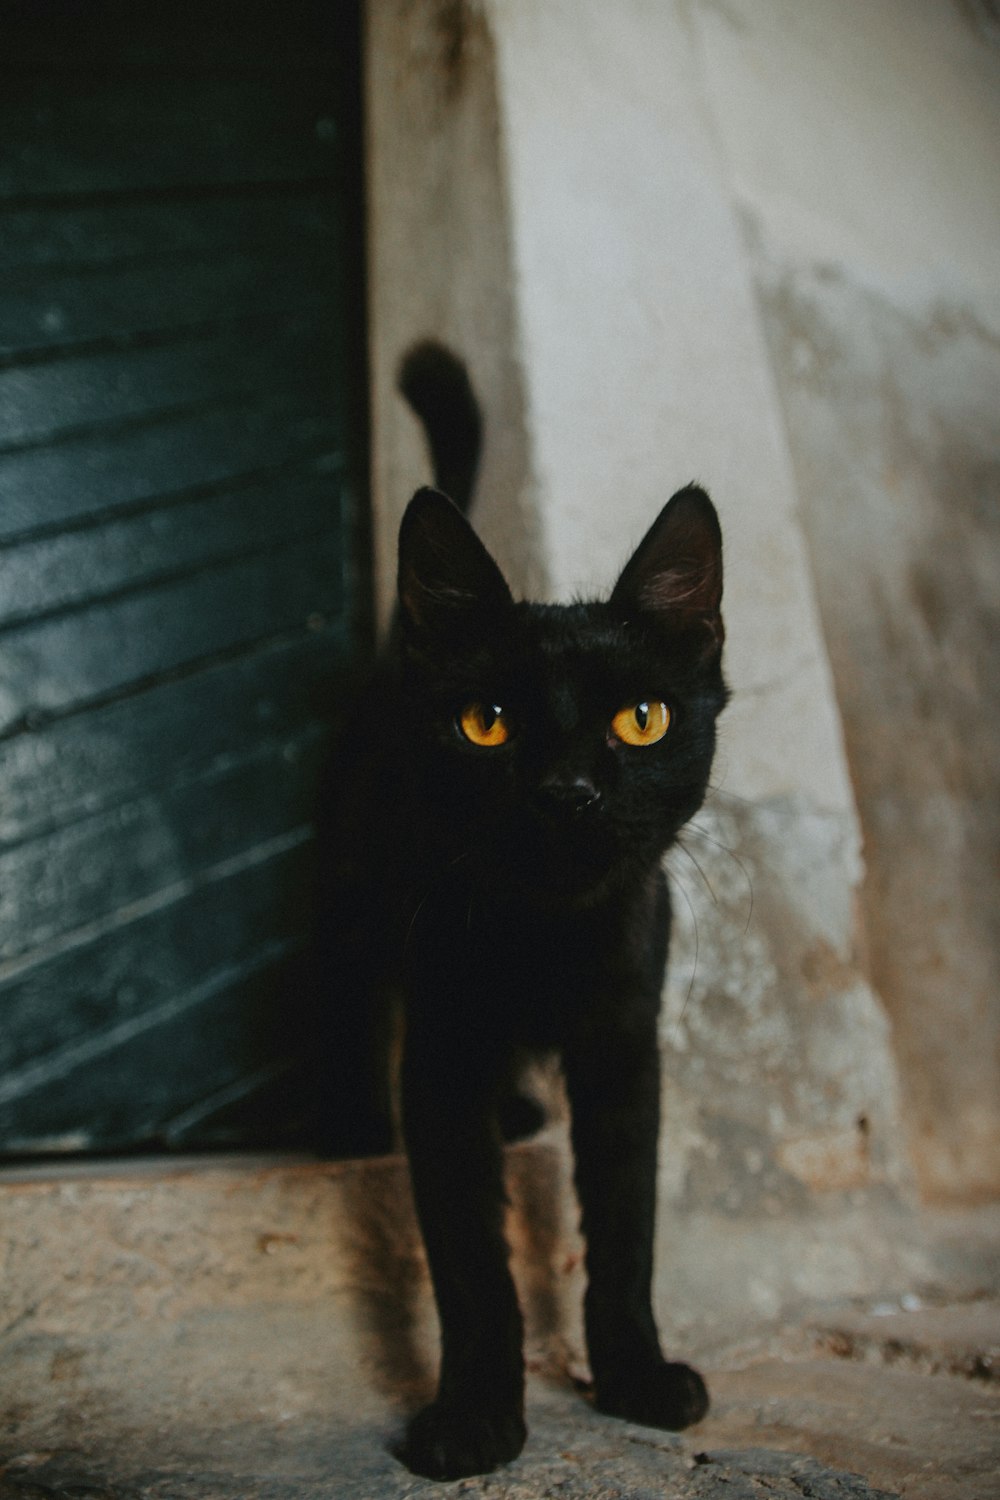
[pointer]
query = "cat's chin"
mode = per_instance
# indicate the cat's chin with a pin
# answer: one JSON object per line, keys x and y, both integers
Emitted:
{"x": 576, "y": 879}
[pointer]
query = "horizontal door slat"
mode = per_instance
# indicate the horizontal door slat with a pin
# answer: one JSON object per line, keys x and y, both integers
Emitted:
{"x": 186, "y": 36}
{"x": 77, "y": 567}
{"x": 88, "y": 134}
{"x": 55, "y": 1000}
{"x": 151, "y": 232}
{"x": 141, "y": 465}
{"x": 40, "y": 312}
{"x": 41, "y": 401}
{"x": 74, "y": 767}
{"x": 124, "y": 1096}
{"x": 64, "y": 663}
{"x": 87, "y": 870}
{"x": 272, "y": 1108}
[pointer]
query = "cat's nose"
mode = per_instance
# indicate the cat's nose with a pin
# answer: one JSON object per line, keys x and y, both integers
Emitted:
{"x": 570, "y": 793}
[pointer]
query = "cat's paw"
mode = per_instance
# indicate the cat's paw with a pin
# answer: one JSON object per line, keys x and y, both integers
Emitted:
{"x": 445, "y": 1442}
{"x": 664, "y": 1394}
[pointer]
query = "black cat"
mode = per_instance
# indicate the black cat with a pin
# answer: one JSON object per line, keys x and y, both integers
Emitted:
{"x": 509, "y": 783}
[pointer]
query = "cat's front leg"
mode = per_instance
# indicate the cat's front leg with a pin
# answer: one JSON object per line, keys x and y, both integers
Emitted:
{"x": 476, "y": 1421}
{"x": 613, "y": 1077}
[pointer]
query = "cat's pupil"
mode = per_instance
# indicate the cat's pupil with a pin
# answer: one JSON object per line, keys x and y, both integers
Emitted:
{"x": 642, "y": 715}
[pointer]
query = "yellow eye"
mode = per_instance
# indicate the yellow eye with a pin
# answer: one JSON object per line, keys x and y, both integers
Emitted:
{"x": 484, "y": 724}
{"x": 641, "y": 723}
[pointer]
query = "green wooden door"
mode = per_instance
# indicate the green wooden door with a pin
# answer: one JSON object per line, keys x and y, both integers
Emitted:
{"x": 179, "y": 544}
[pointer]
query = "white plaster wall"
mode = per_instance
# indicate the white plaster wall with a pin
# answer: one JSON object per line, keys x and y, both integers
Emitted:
{"x": 865, "y": 134}
{"x": 643, "y": 356}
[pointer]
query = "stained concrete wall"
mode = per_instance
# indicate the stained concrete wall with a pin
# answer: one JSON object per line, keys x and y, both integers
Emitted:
{"x": 861, "y": 144}
{"x": 439, "y": 264}
{"x": 639, "y": 361}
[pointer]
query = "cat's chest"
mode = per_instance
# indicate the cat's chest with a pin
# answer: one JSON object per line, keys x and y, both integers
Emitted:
{"x": 519, "y": 968}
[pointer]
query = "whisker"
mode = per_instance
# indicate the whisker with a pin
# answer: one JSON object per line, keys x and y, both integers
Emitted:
{"x": 679, "y": 885}
{"x": 413, "y": 920}
{"x": 693, "y": 828}
{"x": 428, "y": 893}
{"x": 716, "y": 792}
{"x": 679, "y": 844}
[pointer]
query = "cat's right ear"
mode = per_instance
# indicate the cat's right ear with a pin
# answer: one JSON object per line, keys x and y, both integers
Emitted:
{"x": 446, "y": 575}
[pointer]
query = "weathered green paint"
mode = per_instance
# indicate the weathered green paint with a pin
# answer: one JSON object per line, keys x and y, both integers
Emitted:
{"x": 179, "y": 550}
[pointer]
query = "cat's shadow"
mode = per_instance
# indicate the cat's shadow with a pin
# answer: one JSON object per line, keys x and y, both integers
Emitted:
{"x": 385, "y": 1268}
{"x": 391, "y": 1305}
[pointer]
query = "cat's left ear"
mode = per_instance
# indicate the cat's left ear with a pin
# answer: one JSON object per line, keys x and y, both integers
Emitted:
{"x": 675, "y": 573}
{"x": 446, "y": 575}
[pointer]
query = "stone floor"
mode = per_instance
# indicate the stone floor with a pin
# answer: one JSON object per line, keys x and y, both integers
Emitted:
{"x": 253, "y": 1403}
{"x": 141, "y": 1356}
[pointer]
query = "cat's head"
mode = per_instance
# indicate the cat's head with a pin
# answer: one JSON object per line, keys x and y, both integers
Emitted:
{"x": 566, "y": 744}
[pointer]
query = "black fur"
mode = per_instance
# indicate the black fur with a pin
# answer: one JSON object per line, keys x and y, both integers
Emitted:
{"x": 515, "y": 895}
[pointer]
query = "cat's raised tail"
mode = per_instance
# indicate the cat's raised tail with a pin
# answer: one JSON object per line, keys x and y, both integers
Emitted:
{"x": 436, "y": 384}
